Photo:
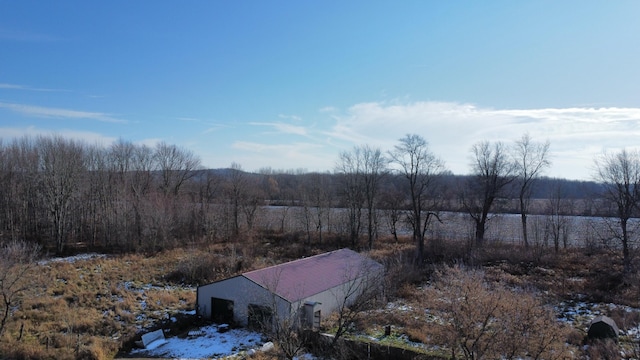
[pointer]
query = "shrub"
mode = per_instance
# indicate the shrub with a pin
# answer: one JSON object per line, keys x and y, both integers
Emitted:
{"x": 204, "y": 267}
{"x": 602, "y": 349}
{"x": 401, "y": 273}
{"x": 484, "y": 320}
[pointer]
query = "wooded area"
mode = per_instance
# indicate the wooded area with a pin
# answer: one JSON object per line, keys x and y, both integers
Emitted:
{"x": 58, "y": 192}
{"x": 62, "y": 196}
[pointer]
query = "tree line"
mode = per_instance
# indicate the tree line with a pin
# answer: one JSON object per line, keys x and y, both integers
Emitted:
{"x": 56, "y": 191}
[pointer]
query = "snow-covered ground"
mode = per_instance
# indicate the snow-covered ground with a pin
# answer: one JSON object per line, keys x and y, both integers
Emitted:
{"x": 580, "y": 313}
{"x": 207, "y": 342}
{"x": 72, "y": 259}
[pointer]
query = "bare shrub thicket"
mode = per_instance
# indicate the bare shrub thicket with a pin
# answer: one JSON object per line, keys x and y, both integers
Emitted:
{"x": 204, "y": 266}
{"x": 17, "y": 261}
{"x": 400, "y": 268}
{"x": 489, "y": 321}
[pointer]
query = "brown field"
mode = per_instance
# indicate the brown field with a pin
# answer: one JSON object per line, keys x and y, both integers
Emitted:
{"x": 94, "y": 308}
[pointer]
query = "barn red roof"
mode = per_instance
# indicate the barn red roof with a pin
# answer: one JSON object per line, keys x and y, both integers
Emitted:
{"x": 302, "y": 278}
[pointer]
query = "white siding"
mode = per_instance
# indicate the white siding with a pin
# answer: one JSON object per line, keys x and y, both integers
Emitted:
{"x": 242, "y": 292}
{"x": 330, "y": 300}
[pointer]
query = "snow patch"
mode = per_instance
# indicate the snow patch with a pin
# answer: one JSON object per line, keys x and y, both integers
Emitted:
{"x": 207, "y": 342}
{"x": 73, "y": 259}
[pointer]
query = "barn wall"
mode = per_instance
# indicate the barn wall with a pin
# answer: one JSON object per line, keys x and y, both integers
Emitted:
{"x": 330, "y": 300}
{"x": 242, "y": 292}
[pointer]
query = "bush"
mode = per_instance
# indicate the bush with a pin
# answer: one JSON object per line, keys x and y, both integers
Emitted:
{"x": 482, "y": 320}
{"x": 603, "y": 349}
{"x": 202, "y": 267}
{"x": 401, "y": 273}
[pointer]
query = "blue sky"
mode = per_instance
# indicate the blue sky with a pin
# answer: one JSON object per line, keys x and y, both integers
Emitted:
{"x": 291, "y": 84}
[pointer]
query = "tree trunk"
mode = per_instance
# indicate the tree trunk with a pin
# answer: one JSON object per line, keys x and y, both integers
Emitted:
{"x": 523, "y": 218}
{"x": 625, "y": 248}
{"x": 480, "y": 229}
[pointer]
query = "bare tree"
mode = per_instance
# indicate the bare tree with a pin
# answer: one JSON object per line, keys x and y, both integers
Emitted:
{"x": 176, "y": 166}
{"x": 120, "y": 165}
{"x": 375, "y": 168}
{"x": 619, "y": 174}
{"x": 237, "y": 187}
{"x": 60, "y": 190}
{"x": 392, "y": 203}
{"x": 421, "y": 168}
{"x": 361, "y": 171}
{"x": 61, "y": 166}
{"x": 208, "y": 190}
{"x": 280, "y": 320}
{"x": 141, "y": 183}
{"x": 9, "y": 172}
{"x": 100, "y": 196}
{"x": 362, "y": 288}
{"x": 17, "y": 260}
{"x": 493, "y": 171}
{"x": 352, "y": 192}
{"x": 558, "y": 222}
{"x": 316, "y": 194}
{"x": 20, "y": 190}
{"x": 252, "y": 202}
{"x": 531, "y": 159}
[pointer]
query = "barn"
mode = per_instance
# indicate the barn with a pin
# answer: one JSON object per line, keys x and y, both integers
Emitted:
{"x": 304, "y": 289}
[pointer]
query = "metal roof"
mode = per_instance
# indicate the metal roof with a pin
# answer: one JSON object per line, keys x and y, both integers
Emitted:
{"x": 299, "y": 279}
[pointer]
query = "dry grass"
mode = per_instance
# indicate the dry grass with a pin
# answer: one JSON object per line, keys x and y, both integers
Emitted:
{"x": 473, "y": 318}
{"x": 522, "y": 286}
{"x": 90, "y": 309}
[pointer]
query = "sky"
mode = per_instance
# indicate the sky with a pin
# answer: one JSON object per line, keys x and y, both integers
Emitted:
{"x": 291, "y": 84}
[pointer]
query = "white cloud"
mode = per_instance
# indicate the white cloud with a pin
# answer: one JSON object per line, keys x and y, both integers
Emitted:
{"x": 576, "y": 134}
{"x": 283, "y": 127}
{"x": 28, "y": 88}
{"x": 328, "y": 109}
{"x": 92, "y": 138}
{"x": 290, "y": 117}
{"x": 47, "y": 112}
{"x": 298, "y": 155}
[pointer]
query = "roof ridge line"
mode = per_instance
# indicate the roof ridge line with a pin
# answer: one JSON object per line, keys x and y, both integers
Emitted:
{"x": 297, "y": 260}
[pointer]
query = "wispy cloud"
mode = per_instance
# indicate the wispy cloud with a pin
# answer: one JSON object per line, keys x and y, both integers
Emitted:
{"x": 293, "y": 148}
{"x": 290, "y": 117}
{"x": 284, "y": 128}
{"x": 9, "y": 133}
{"x": 47, "y": 112}
{"x": 29, "y": 88}
{"x": 211, "y": 126}
{"x": 328, "y": 109}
